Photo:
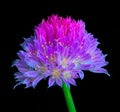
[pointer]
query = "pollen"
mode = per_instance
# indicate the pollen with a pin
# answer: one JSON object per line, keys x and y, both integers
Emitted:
{"x": 67, "y": 75}
{"x": 56, "y": 73}
{"x": 64, "y": 62}
{"x": 41, "y": 68}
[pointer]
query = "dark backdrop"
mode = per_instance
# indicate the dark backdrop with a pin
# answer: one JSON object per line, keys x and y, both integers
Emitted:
{"x": 96, "y": 92}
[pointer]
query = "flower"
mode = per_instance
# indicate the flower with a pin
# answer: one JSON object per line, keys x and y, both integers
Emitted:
{"x": 61, "y": 49}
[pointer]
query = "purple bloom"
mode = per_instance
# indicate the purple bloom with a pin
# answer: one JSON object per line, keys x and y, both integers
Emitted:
{"x": 60, "y": 49}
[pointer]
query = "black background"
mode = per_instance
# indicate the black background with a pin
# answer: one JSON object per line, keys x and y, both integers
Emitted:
{"x": 97, "y": 92}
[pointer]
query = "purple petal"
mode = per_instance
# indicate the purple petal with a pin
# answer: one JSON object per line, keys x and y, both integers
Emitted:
{"x": 17, "y": 85}
{"x": 24, "y": 45}
{"x": 100, "y": 63}
{"x": 72, "y": 81}
{"x": 29, "y": 84}
{"x": 26, "y": 81}
{"x": 35, "y": 82}
{"x": 75, "y": 76}
{"x": 59, "y": 82}
{"x": 19, "y": 76}
{"x": 51, "y": 82}
{"x": 81, "y": 74}
{"x": 21, "y": 65}
{"x": 85, "y": 66}
{"x": 21, "y": 54}
{"x": 46, "y": 74}
{"x": 27, "y": 41}
{"x": 85, "y": 57}
{"x": 31, "y": 74}
{"x": 22, "y": 69}
{"x": 31, "y": 62}
{"x": 100, "y": 70}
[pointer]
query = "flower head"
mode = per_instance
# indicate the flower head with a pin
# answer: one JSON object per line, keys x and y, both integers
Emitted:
{"x": 60, "y": 49}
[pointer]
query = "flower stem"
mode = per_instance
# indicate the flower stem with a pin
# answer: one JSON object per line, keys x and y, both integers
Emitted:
{"x": 68, "y": 98}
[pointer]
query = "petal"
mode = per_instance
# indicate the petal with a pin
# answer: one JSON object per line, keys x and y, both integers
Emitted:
{"x": 31, "y": 62}
{"x": 100, "y": 63}
{"x": 75, "y": 75}
{"x": 59, "y": 82}
{"x": 21, "y": 54}
{"x": 31, "y": 74}
{"x": 16, "y": 62}
{"x": 28, "y": 85}
{"x": 46, "y": 74}
{"x": 19, "y": 76}
{"x": 22, "y": 69}
{"x": 26, "y": 81}
{"x": 51, "y": 82}
{"x": 35, "y": 82}
{"x": 100, "y": 70}
{"x": 85, "y": 66}
{"x": 81, "y": 74}
{"x": 21, "y": 65}
{"x": 26, "y": 42}
{"x": 24, "y": 45}
{"x": 19, "y": 83}
{"x": 72, "y": 81}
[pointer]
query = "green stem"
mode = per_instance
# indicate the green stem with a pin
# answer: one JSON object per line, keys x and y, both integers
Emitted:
{"x": 68, "y": 98}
